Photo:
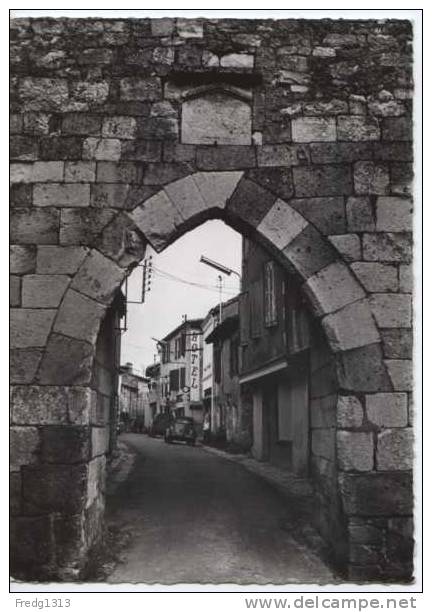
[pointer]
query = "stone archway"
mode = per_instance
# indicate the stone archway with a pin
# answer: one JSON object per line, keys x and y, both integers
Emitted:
{"x": 60, "y": 390}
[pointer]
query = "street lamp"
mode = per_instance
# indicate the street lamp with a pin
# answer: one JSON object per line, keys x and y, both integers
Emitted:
{"x": 220, "y": 268}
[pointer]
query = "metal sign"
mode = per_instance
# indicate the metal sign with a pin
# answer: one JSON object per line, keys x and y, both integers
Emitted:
{"x": 195, "y": 368}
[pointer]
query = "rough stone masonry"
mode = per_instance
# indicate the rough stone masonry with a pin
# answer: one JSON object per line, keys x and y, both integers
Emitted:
{"x": 110, "y": 150}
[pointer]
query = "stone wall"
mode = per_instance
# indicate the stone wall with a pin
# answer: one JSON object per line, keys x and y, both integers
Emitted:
{"x": 102, "y": 164}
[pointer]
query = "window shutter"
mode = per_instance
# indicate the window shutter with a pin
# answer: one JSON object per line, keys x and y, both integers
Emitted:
{"x": 174, "y": 380}
{"x": 244, "y": 317}
{"x": 182, "y": 377}
{"x": 256, "y": 308}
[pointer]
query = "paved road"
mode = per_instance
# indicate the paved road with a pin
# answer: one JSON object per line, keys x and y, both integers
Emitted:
{"x": 197, "y": 518}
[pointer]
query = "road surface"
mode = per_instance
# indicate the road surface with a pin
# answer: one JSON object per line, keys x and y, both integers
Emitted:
{"x": 194, "y": 517}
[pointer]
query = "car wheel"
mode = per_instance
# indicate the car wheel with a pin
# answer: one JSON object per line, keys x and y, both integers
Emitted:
{"x": 167, "y": 440}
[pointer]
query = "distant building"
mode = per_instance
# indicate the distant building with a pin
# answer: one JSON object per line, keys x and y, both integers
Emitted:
{"x": 133, "y": 398}
{"x": 226, "y": 418}
{"x": 207, "y": 383}
{"x": 181, "y": 367}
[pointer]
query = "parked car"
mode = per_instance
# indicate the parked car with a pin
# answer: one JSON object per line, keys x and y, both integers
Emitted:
{"x": 182, "y": 428}
{"x": 159, "y": 424}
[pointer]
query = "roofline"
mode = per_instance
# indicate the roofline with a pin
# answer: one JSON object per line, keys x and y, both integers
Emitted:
{"x": 191, "y": 322}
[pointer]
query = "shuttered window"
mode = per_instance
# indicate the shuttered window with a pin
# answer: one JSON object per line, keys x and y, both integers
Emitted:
{"x": 270, "y": 309}
{"x": 256, "y": 308}
{"x": 174, "y": 380}
{"x": 244, "y": 312}
{"x": 182, "y": 378}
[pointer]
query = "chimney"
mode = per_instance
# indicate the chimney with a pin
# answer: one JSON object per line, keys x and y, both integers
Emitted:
{"x": 129, "y": 367}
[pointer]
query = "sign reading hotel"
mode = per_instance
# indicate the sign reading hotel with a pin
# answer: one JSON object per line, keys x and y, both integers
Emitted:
{"x": 195, "y": 364}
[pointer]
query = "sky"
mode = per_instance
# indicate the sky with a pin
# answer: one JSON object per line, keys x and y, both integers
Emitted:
{"x": 169, "y": 298}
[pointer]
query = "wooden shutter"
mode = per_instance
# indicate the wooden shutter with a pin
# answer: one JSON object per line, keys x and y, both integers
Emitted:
{"x": 244, "y": 312}
{"x": 256, "y": 308}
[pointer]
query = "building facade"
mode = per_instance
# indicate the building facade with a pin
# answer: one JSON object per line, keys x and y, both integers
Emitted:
{"x": 134, "y": 398}
{"x": 180, "y": 373}
{"x": 153, "y": 374}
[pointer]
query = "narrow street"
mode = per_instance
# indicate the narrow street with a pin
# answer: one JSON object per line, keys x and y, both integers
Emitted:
{"x": 194, "y": 517}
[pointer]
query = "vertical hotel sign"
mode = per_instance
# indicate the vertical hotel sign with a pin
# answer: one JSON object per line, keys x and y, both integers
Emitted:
{"x": 195, "y": 365}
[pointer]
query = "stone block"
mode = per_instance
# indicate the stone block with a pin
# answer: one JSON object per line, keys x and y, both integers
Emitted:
{"x": 400, "y": 372}
{"x": 225, "y": 157}
{"x": 40, "y": 93}
{"x": 313, "y": 129}
{"x": 80, "y": 172}
{"x": 67, "y": 361}
{"x": 31, "y": 544}
{"x": 98, "y": 277}
{"x": 142, "y": 150}
{"x": 323, "y": 443}
{"x": 331, "y": 288}
{"x": 161, "y": 174}
{"x": 15, "y": 123}
{"x": 119, "y": 127}
{"x": 395, "y": 449}
{"x": 43, "y": 291}
{"x": 46, "y": 405}
{"x": 323, "y": 412}
{"x": 376, "y": 276}
{"x": 21, "y": 195}
{"x": 23, "y": 447}
{"x": 30, "y": 327}
{"x": 65, "y": 444}
{"x": 89, "y": 93}
{"x": 350, "y": 327}
{"x": 148, "y": 90}
{"x": 157, "y": 128}
{"x": 355, "y": 451}
{"x": 330, "y": 107}
{"x": 37, "y": 172}
{"x": 157, "y": 219}
{"x": 70, "y": 543}
{"x": 55, "y": 488}
{"x": 81, "y": 226}
{"x": 401, "y": 179}
{"x": 386, "y": 108}
{"x": 308, "y": 252}
{"x": 79, "y": 317}
{"x": 237, "y": 60}
{"x": 394, "y": 214}
{"x": 326, "y": 214}
{"x": 277, "y": 180}
{"x": 177, "y": 152}
{"x": 397, "y": 128}
{"x": 216, "y": 187}
{"x": 367, "y": 531}
{"x": 14, "y": 290}
{"x": 377, "y": 494}
{"x": 250, "y": 202}
{"x": 322, "y": 181}
{"x": 109, "y": 195}
{"x": 216, "y": 119}
{"x": 122, "y": 242}
{"x": 391, "y": 310}
{"x": 371, "y": 178}
{"x": 363, "y": 370}
{"x": 22, "y": 259}
{"x": 397, "y": 343}
{"x": 23, "y": 148}
{"x": 61, "y": 195}
{"x": 388, "y": 247}
{"x": 117, "y": 172}
{"x": 281, "y": 224}
{"x": 349, "y": 411}
{"x": 99, "y": 441}
{"x": 186, "y": 197}
{"x": 393, "y": 151}
{"x": 387, "y": 409}
{"x": 81, "y": 124}
{"x": 324, "y": 52}
{"x": 189, "y": 28}
{"x": 59, "y": 260}
{"x": 107, "y": 149}
{"x": 348, "y": 245}
{"x": 23, "y": 365}
{"x": 282, "y": 155}
{"x": 61, "y": 147}
{"x": 357, "y": 128}
{"x": 340, "y": 152}
{"x": 406, "y": 280}
{"x": 96, "y": 57}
